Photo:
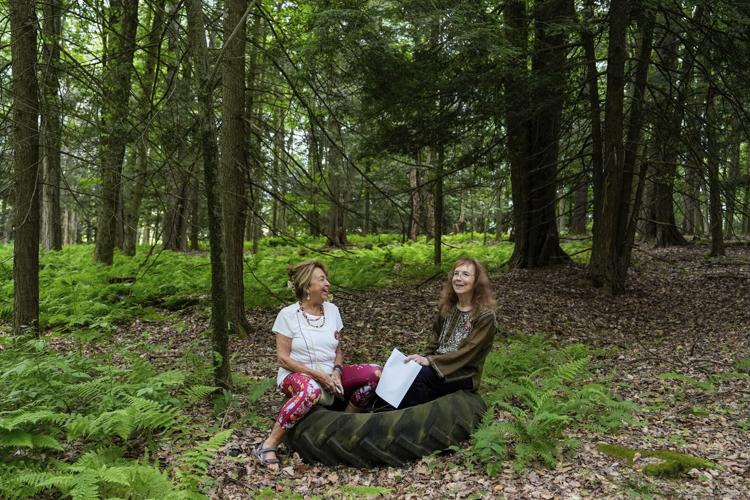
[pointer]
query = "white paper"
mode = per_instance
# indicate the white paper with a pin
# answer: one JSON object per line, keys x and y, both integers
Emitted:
{"x": 396, "y": 378}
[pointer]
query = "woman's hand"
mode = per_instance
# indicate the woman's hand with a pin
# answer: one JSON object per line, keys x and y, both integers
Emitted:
{"x": 336, "y": 375}
{"x": 417, "y": 359}
{"x": 326, "y": 380}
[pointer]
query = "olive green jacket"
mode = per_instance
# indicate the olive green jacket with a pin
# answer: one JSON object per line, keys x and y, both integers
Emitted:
{"x": 468, "y": 360}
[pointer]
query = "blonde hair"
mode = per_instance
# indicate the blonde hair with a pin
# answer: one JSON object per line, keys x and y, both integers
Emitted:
{"x": 482, "y": 292}
{"x": 300, "y": 276}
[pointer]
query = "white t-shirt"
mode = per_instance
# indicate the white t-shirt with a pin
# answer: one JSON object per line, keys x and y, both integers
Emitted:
{"x": 313, "y": 347}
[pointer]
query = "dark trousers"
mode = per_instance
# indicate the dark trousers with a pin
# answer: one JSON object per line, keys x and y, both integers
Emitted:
{"x": 428, "y": 386}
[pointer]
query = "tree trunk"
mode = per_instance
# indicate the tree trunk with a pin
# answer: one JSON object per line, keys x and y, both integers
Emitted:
{"x": 234, "y": 160}
{"x": 714, "y": 186}
{"x": 414, "y": 188}
{"x": 336, "y": 233}
{"x": 366, "y": 202}
{"x": 52, "y": 124}
{"x": 580, "y": 205}
{"x": 177, "y": 175}
{"x": 436, "y": 161}
{"x": 613, "y": 239}
{"x": 534, "y": 138}
{"x": 499, "y": 208}
{"x": 315, "y": 168}
{"x": 592, "y": 81}
{"x": 667, "y": 135}
{"x": 123, "y": 22}
{"x": 210, "y": 154}
{"x": 278, "y": 181}
{"x": 134, "y": 195}
{"x": 25, "y": 142}
{"x": 255, "y": 131}
{"x": 195, "y": 214}
{"x": 730, "y": 188}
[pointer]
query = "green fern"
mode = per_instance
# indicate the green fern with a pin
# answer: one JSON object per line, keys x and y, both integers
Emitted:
{"x": 540, "y": 392}
{"x": 196, "y": 393}
{"x": 193, "y": 464}
{"x": 141, "y": 415}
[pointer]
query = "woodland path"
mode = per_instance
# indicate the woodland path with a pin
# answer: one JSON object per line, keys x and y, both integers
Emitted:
{"x": 683, "y": 313}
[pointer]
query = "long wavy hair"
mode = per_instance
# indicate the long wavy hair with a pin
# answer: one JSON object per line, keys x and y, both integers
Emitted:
{"x": 482, "y": 298}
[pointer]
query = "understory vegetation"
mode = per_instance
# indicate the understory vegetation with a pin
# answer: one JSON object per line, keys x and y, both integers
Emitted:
{"x": 84, "y": 417}
{"x": 95, "y": 426}
{"x": 536, "y": 394}
{"x": 76, "y": 293}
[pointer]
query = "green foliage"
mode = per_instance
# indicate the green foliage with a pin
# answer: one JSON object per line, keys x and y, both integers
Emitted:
{"x": 537, "y": 392}
{"x": 672, "y": 464}
{"x": 742, "y": 365}
{"x": 693, "y": 382}
{"x": 56, "y": 406}
{"x": 194, "y": 463}
{"x": 77, "y": 294}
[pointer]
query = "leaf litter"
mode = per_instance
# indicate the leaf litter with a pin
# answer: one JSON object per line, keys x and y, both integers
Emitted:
{"x": 683, "y": 314}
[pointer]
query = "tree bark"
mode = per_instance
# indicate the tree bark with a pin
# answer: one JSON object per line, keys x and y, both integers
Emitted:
{"x": 176, "y": 174}
{"x": 499, "y": 208}
{"x": 414, "y": 188}
{"x": 436, "y": 161}
{"x": 668, "y": 132}
{"x": 123, "y": 22}
{"x": 210, "y": 154}
{"x": 134, "y": 195}
{"x": 730, "y": 188}
{"x": 52, "y": 124}
{"x": 336, "y": 234}
{"x": 234, "y": 160}
{"x": 592, "y": 82}
{"x": 195, "y": 214}
{"x": 26, "y": 167}
{"x": 714, "y": 186}
{"x": 278, "y": 180}
{"x": 613, "y": 239}
{"x": 580, "y": 207}
{"x": 534, "y": 137}
{"x": 253, "y": 112}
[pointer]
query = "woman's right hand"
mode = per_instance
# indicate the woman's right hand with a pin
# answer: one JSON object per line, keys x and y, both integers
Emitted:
{"x": 417, "y": 359}
{"x": 326, "y": 380}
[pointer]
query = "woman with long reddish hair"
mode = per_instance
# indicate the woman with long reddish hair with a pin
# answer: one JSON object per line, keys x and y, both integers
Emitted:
{"x": 462, "y": 335}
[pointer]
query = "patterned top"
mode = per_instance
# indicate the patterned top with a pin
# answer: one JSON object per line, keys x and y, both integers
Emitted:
{"x": 455, "y": 330}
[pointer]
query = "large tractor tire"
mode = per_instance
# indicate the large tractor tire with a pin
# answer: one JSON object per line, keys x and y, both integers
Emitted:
{"x": 386, "y": 438}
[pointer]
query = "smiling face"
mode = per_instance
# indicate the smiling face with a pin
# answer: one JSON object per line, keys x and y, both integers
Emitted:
{"x": 463, "y": 279}
{"x": 317, "y": 290}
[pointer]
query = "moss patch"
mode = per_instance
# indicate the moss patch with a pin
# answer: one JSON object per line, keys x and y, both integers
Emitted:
{"x": 673, "y": 464}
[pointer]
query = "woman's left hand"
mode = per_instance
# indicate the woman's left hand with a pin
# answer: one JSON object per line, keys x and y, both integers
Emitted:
{"x": 417, "y": 359}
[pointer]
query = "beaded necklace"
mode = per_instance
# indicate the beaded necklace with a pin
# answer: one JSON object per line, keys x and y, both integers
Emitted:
{"x": 314, "y": 322}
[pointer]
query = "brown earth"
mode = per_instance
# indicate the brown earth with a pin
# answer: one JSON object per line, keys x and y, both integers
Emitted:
{"x": 682, "y": 313}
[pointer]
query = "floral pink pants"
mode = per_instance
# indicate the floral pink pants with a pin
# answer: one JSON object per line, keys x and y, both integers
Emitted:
{"x": 359, "y": 382}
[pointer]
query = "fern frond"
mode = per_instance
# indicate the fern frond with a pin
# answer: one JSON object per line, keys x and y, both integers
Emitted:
{"x": 140, "y": 415}
{"x": 23, "y": 439}
{"x": 98, "y": 458}
{"x": 573, "y": 369}
{"x": 196, "y": 393}
{"x": 194, "y": 463}
{"x": 22, "y": 417}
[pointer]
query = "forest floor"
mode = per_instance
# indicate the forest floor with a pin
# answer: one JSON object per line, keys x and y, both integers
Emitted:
{"x": 683, "y": 314}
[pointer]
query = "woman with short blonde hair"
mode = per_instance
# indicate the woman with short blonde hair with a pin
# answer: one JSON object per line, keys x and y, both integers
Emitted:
{"x": 311, "y": 362}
